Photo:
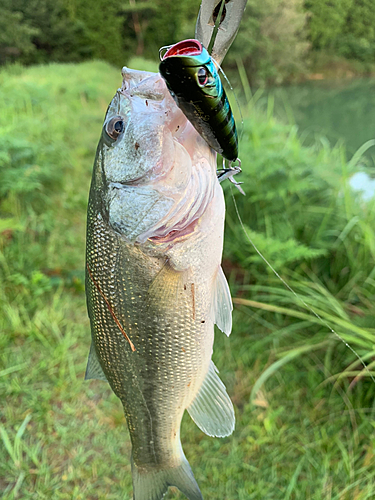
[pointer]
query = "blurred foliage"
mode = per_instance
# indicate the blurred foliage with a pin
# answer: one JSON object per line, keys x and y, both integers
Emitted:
{"x": 70, "y": 30}
{"x": 343, "y": 27}
{"x": 47, "y": 26}
{"x": 278, "y": 39}
{"x": 301, "y": 214}
{"x": 16, "y": 34}
{"x": 39, "y": 147}
{"x": 169, "y": 21}
{"x": 103, "y": 35}
{"x": 327, "y": 21}
{"x": 271, "y": 41}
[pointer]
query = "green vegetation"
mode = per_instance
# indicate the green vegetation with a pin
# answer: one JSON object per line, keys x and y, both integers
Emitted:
{"x": 272, "y": 41}
{"x": 278, "y": 40}
{"x": 304, "y": 403}
{"x": 40, "y": 31}
{"x": 343, "y": 26}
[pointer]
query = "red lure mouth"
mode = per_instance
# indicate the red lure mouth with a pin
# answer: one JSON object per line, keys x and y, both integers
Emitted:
{"x": 189, "y": 47}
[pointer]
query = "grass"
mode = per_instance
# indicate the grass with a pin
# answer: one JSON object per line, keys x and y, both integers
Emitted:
{"x": 304, "y": 404}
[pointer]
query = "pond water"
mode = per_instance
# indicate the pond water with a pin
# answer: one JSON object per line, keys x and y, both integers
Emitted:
{"x": 340, "y": 110}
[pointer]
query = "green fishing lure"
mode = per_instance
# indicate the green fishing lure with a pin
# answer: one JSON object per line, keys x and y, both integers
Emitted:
{"x": 194, "y": 83}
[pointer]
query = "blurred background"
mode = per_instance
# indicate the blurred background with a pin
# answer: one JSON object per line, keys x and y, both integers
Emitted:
{"x": 304, "y": 76}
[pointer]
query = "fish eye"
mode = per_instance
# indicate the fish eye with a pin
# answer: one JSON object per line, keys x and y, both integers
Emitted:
{"x": 114, "y": 127}
{"x": 202, "y": 76}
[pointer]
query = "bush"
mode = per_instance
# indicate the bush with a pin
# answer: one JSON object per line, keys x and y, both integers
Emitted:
{"x": 327, "y": 20}
{"x": 351, "y": 47}
{"x": 15, "y": 35}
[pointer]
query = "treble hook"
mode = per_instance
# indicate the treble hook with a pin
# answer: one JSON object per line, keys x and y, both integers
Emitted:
{"x": 229, "y": 172}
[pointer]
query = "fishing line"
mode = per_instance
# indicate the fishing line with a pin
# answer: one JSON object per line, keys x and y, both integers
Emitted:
{"x": 298, "y": 297}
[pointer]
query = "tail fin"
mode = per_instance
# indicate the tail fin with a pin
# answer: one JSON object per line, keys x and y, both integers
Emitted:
{"x": 152, "y": 484}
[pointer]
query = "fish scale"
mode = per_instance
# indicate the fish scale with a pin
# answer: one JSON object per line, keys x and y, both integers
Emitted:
{"x": 155, "y": 335}
{"x": 153, "y": 301}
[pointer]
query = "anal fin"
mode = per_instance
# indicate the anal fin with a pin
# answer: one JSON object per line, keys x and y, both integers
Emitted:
{"x": 212, "y": 409}
{"x": 94, "y": 370}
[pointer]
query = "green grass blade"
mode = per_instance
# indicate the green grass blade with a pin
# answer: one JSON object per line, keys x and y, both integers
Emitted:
{"x": 13, "y": 369}
{"x": 8, "y": 445}
{"x": 272, "y": 369}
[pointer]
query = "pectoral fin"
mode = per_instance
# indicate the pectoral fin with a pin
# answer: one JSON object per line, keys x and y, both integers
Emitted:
{"x": 165, "y": 287}
{"x": 94, "y": 370}
{"x": 212, "y": 409}
{"x": 222, "y": 303}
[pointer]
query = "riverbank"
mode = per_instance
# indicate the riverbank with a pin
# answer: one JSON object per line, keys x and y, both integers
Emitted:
{"x": 331, "y": 67}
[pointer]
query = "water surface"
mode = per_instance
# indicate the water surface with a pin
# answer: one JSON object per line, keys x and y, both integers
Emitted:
{"x": 340, "y": 110}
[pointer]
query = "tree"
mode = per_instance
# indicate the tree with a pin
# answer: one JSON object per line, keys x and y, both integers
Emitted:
{"x": 357, "y": 40}
{"x": 104, "y": 36}
{"x": 272, "y": 40}
{"x": 160, "y": 22}
{"x": 46, "y": 29}
{"x": 327, "y": 19}
{"x": 15, "y": 34}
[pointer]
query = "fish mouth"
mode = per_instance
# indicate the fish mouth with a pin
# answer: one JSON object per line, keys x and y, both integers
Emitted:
{"x": 142, "y": 84}
{"x": 190, "y": 47}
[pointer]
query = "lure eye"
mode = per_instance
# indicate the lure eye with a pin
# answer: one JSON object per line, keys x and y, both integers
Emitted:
{"x": 202, "y": 76}
{"x": 115, "y": 127}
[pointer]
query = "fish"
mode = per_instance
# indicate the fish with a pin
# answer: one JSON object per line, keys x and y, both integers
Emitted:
{"x": 154, "y": 282}
{"x": 193, "y": 81}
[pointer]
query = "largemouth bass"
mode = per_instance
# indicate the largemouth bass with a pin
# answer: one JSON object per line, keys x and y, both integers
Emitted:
{"x": 154, "y": 284}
